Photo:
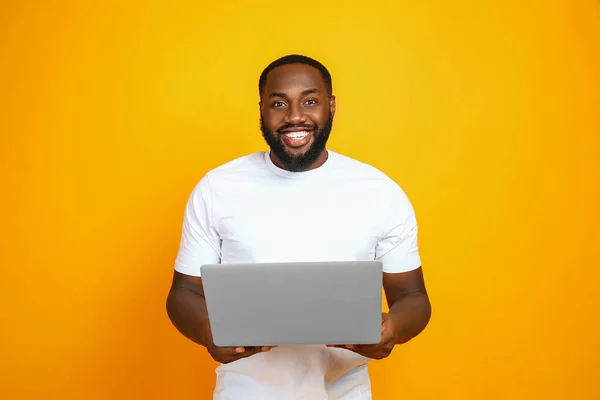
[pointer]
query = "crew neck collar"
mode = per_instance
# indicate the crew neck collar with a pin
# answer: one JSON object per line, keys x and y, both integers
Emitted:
{"x": 303, "y": 174}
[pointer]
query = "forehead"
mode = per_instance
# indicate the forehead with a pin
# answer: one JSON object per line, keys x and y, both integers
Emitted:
{"x": 294, "y": 78}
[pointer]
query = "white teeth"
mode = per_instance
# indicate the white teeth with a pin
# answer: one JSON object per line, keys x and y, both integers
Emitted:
{"x": 297, "y": 135}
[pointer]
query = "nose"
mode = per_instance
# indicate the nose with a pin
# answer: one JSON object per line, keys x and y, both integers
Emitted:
{"x": 295, "y": 115}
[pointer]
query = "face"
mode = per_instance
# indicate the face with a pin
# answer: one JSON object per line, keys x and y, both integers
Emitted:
{"x": 296, "y": 116}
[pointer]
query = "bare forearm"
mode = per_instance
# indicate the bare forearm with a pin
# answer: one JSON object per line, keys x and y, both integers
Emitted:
{"x": 187, "y": 312}
{"x": 411, "y": 314}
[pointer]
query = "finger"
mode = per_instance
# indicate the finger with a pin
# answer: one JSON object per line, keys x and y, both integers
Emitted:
{"x": 367, "y": 352}
{"x": 241, "y": 350}
{"x": 236, "y": 353}
{"x": 358, "y": 348}
{"x": 342, "y": 346}
{"x": 252, "y": 349}
{"x": 229, "y": 350}
{"x": 365, "y": 348}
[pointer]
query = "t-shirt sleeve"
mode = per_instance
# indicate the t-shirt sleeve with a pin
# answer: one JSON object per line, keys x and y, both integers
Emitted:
{"x": 397, "y": 246}
{"x": 200, "y": 243}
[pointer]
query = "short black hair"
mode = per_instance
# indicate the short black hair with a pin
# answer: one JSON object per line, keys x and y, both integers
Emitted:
{"x": 295, "y": 59}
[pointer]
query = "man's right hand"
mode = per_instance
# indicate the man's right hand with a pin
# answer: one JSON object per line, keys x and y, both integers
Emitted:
{"x": 186, "y": 308}
{"x": 227, "y": 355}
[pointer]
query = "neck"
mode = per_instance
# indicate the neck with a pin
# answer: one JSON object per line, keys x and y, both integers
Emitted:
{"x": 319, "y": 162}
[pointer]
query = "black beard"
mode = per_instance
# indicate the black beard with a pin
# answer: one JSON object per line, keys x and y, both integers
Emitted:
{"x": 301, "y": 162}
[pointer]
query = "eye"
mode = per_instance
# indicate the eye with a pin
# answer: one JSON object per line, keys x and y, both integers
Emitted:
{"x": 311, "y": 102}
{"x": 278, "y": 104}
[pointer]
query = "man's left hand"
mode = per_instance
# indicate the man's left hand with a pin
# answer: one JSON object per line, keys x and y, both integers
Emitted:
{"x": 381, "y": 349}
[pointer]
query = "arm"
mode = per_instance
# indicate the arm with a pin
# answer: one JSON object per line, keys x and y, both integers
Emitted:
{"x": 403, "y": 283}
{"x": 408, "y": 302}
{"x": 409, "y": 313}
{"x": 200, "y": 244}
{"x": 186, "y": 308}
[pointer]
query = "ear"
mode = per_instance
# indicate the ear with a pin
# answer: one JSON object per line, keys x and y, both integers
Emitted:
{"x": 332, "y": 105}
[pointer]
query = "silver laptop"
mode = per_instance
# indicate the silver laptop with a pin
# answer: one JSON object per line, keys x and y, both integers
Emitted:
{"x": 269, "y": 304}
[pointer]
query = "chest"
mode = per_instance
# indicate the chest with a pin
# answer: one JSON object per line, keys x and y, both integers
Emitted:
{"x": 320, "y": 222}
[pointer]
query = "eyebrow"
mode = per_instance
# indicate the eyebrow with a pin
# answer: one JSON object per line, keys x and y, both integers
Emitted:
{"x": 304, "y": 93}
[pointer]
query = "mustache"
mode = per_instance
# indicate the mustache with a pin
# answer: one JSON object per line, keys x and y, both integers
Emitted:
{"x": 299, "y": 126}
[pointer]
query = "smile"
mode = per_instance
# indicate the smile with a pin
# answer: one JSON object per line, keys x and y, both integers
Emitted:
{"x": 297, "y": 138}
{"x": 297, "y": 135}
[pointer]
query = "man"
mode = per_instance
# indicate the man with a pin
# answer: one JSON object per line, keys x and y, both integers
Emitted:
{"x": 298, "y": 201}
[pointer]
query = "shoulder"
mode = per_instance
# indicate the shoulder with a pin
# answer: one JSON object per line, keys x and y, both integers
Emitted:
{"x": 386, "y": 194}
{"x": 241, "y": 169}
{"x": 243, "y": 166}
{"x": 361, "y": 171}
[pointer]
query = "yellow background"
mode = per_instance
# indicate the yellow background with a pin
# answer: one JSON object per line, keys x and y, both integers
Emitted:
{"x": 486, "y": 113}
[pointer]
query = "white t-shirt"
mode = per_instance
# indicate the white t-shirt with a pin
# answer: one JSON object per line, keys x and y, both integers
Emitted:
{"x": 249, "y": 210}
